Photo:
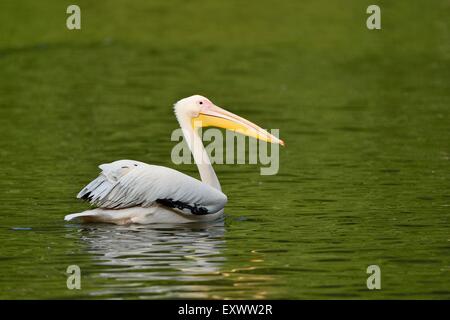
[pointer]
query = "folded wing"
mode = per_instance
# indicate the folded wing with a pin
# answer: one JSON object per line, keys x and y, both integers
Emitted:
{"x": 128, "y": 183}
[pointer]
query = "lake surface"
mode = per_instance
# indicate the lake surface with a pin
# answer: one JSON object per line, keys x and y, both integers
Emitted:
{"x": 363, "y": 179}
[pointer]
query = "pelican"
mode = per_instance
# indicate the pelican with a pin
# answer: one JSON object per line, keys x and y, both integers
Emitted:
{"x": 129, "y": 191}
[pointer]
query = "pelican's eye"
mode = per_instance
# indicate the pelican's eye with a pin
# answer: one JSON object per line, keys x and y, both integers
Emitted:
{"x": 200, "y": 102}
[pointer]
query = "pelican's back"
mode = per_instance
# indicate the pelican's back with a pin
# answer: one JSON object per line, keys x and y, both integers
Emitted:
{"x": 128, "y": 183}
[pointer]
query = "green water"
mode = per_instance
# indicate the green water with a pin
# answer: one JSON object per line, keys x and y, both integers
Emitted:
{"x": 364, "y": 176}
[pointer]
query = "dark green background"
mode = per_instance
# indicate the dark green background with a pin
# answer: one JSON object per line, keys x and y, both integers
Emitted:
{"x": 364, "y": 178}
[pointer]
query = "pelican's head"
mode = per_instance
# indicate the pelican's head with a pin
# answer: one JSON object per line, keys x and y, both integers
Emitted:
{"x": 199, "y": 111}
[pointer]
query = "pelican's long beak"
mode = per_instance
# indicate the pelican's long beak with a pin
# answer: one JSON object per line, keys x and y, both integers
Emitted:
{"x": 218, "y": 117}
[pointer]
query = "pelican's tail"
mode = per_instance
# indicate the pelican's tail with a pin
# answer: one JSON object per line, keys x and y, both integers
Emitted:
{"x": 75, "y": 216}
{"x": 99, "y": 215}
{"x": 81, "y": 215}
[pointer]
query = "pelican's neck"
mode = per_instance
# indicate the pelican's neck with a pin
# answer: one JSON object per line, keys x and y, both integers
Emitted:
{"x": 201, "y": 157}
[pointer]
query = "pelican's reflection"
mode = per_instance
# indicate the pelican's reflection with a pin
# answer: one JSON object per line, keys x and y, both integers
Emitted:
{"x": 162, "y": 261}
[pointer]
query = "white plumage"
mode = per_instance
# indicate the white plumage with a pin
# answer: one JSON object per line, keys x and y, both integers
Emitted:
{"x": 127, "y": 183}
{"x": 144, "y": 190}
{"x": 128, "y": 191}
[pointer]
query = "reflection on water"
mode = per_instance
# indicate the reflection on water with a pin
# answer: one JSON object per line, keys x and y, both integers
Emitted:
{"x": 142, "y": 258}
{"x": 167, "y": 261}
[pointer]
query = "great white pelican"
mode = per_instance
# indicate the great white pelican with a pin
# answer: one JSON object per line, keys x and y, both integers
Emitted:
{"x": 128, "y": 191}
